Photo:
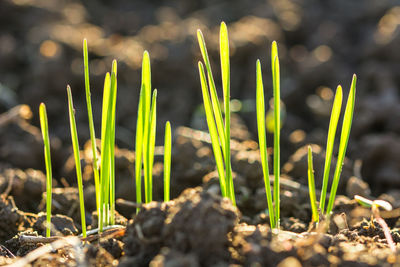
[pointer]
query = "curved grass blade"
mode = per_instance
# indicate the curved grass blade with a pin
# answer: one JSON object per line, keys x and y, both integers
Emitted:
{"x": 263, "y": 140}
{"x": 213, "y": 91}
{"x": 337, "y": 105}
{"x": 277, "y": 128}
{"x": 213, "y": 130}
{"x": 91, "y": 124}
{"x": 167, "y": 161}
{"x": 75, "y": 145}
{"x": 311, "y": 187}
{"x": 344, "y": 138}
{"x": 46, "y": 140}
{"x": 225, "y": 72}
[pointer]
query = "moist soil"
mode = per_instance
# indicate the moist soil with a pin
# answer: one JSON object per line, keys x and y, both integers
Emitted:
{"x": 321, "y": 43}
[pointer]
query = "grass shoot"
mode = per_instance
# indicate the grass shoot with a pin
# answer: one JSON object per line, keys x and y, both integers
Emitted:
{"x": 277, "y": 127}
{"x": 335, "y": 114}
{"x": 107, "y": 171}
{"x": 344, "y": 138}
{"x": 262, "y": 139}
{"x": 167, "y": 161}
{"x": 75, "y": 145}
{"x": 145, "y": 134}
{"x": 219, "y": 132}
{"x": 274, "y": 211}
{"x": 46, "y": 140}
{"x": 91, "y": 125}
{"x": 311, "y": 187}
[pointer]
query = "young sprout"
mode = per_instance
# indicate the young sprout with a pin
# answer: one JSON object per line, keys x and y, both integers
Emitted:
{"x": 277, "y": 127}
{"x": 167, "y": 161}
{"x": 213, "y": 130}
{"x": 145, "y": 134}
{"x": 46, "y": 140}
{"x": 75, "y": 145}
{"x": 344, "y": 138}
{"x": 311, "y": 187}
{"x": 220, "y": 132}
{"x": 337, "y": 104}
{"x": 260, "y": 102}
{"x": 375, "y": 205}
{"x": 107, "y": 172}
{"x": 91, "y": 124}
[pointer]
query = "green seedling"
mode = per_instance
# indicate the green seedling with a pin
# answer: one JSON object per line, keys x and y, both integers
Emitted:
{"x": 262, "y": 139}
{"x": 274, "y": 212}
{"x": 46, "y": 140}
{"x": 75, "y": 145}
{"x": 277, "y": 127}
{"x": 219, "y": 132}
{"x": 344, "y": 138}
{"x": 335, "y": 114}
{"x": 145, "y": 134}
{"x": 107, "y": 171}
{"x": 311, "y": 187}
{"x": 375, "y": 205}
{"x": 91, "y": 125}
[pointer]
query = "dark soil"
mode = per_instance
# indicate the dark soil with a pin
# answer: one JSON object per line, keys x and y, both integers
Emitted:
{"x": 321, "y": 44}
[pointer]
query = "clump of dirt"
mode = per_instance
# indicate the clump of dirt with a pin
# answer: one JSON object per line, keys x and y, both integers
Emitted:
{"x": 11, "y": 219}
{"x": 60, "y": 224}
{"x": 180, "y": 225}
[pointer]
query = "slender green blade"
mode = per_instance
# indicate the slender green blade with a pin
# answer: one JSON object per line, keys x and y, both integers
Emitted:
{"x": 213, "y": 91}
{"x": 75, "y": 146}
{"x": 46, "y": 140}
{"x": 139, "y": 149}
{"x": 337, "y": 105}
{"x": 311, "y": 187}
{"x": 112, "y": 143}
{"x": 263, "y": 140}
{"x": 213, "y": 131}
{"x": 152, "y": 141}
{"x": 344, "y": 138}
{"x": 167, "y": 161}
{"x": 146, "y": 84}
{"x": 225, "y": 71}
{"x": 105, "y": 150}
{"x": 91, "y": 124}
{"x": 277, "y": 128}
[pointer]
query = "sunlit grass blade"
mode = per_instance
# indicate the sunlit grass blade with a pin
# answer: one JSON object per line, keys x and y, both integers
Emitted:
{"x": 213, "y": 91}
{"x": 225, "y": 72}
{"x": 167, "y": 161}
{"x": 146, "y": 85}
{"x": 311, "y": 187}
{"x": 213, "y": 130}
{"x": 277, "y": 128}
{"x": 337, "y": 105}
{"x": 46, "y": 140}
{"x": 112, "y": 142}
{"x": 106, "y": 145}
{"x": 344, "y": 138}
{"x": 75, "y": 146}
{"x": 152, "y": 140}
{"x": 91, "y": 124}
{"x": 139, "y": 149}
{"x": 263, "y": 140}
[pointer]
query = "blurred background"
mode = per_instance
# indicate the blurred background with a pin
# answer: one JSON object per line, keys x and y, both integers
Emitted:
{"x": 321, "y": 44}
